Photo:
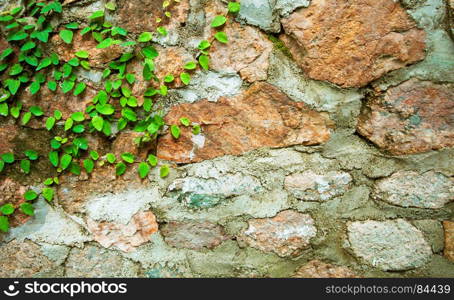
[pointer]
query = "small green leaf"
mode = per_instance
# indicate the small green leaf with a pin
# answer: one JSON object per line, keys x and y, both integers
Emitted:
{"x": 111, "y": 158}
{"x": 69, "y": 124}
{"x": 190, "y": 65}
{"x": 105, "y": 43}
{"x": 4, "y": 224}
{"x": 53, "y": 158}
{"x": 94, "y": 155}
{"x": 7, "y": 209}
{"x": 222, "y": 37}
{"x": 50, "y": 123}
{"x": 52, "y": 85}
{"x": 30, "y": 195}
{"x": 120, "y": 169}
{"x": 152, "y": 160}
{"x": 78, "y": 116}
{"x": 36, "y": 111}
{"x": 196, "y": 129}
{"x": 234, "y": 7}
{"x": 67, "y": 86}
{"x": 44, "y": 63}
{"x": 78, "y": 128}
{"x": 128, "y": 157}
{"x": 89, "y": 165}
{"x": 185, "y": 78}
{"x": 82, "y": 54}
{"x": 204, "y": 62}
{"x": 79, "y": 88}
{"x": 144, "y": 169}
{"x": 48, "y": 194}
{"x": 164, "y": 171}
{"x": 97, "y": 14}
{"x": 97, "y": 122}
{"x": 67, "y": 36}
{"x": 162, "y": 31}
{"x": 27, "y": 209}
{"x": 25, "y": 166}
{"x": 175, "y": 130}
{"x": 111, "y": 6}
{"x": 2, "y": 165}
{"x": 31, "y": 154}
{"x": 35, "y": 87}
{"x": 145, "y": 37}
{"x": 13, "y": 85}
{"x": 204, "y": 45}
{"x": 8, "y": 158}
{"x": 26, "y": 118}
{"x": 218, "y": 21}
{"x": 169, "y": 78}
{"x": 16, "y": 70}
{"x": 65, "y": 161}
{"x": 185, "y": 122}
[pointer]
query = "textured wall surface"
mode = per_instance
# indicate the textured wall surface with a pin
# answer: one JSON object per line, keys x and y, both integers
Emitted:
{"x": 325, "y": 150}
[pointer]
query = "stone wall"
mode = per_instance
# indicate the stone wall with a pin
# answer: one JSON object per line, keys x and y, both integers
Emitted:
{"x": 325, "y": 151}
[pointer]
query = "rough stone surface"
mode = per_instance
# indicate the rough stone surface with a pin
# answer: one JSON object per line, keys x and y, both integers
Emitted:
{"x": 260, "y": 117}
{"x": 140, "y": 16}
{"x": 287, "y": 234}
{"x": 352, "y": 44}
{"x": 97, "y": 57}
{"x": 449, "y": 240}
{"x": 247, "y": 51}
{"x": 309, "y": 186}
{"x": 94, "y": 262}
{"x": 193, "y": 235}
{"x": 23, "y": 259}
{"x": 410, "y": 189}
{"x": 124, "y": 237}
{"x": 413, "y": 117}
{"x": 319, "y": 269}
{"x": 389, "y": 245}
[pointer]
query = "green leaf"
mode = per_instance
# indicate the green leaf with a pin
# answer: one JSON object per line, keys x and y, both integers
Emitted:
{"x": 52, "y": 85}
{"x": 162, "y": 31}
{"x": 7, "y": 209}
{"x": 4, "y": 109}
{"x": 16, "y": 70}
{"x": 78, "y": 128}
{"x": 82, "y": 54}
{"x": 25, "y": 166}
{"x": 2, "y": 165}
{"x": 144, "y": 169}
{"x": 185, "y": 122}
{"x": 128, "y": 157}
{"x": 57, "y": 114}
{"x": 164, "y": 171}
{"x": 36, "y": 111}
{"x": 190, "y": 65}
{"x": 27, "y": 209}
{"x": 85, "y": 64}
{"x": 131, "y": 78}
{"x": 120, "y": 169}
{"x": 35, "y": 87}
{"x": 234, "y": 7}
{"x": 110, "y": 6}
{"x": 169, "y": 78}
{"x": 65, "y": 161}
{"x": 106, "y": 109}
{"x": 44, "y": 63}
{"x": 5, "y": 53}
{"x": 175, "y": 130}
{"x": 129, "y": 114}
{"x": 204, "y": 45}
{"x": 31, "y": 154}
{"x": 48, "y": 194}
{"x": 185, "y": 78}
{"x": 30, "y": 195}
{"x": 97, "y": 122}
{"x": 26, "y": 118}
{"x": 105, "y": 43}
{"x": 94, "y": 155}
{"x": 79, "y": 88}
{"x": 72, "y": 25}
{"x": 204, "y": 62}
{"x": 74, "y": 62}
{"x": 218, "y": 21}
{"x": 18, "y": 36}
{"x": 78, "y": 116}
{"x": 222, "y": 37}
{"x": 13, "y": 85}
{"x": 67, "y": 36}
{"x": 4, "y": 224}
{"x": 196, "y": 129}
{"x": 152, "y": 160}
{"x": 50, "y": 123}
{"x": 89, "y": 165}
{"x": 81, "y": 143}
{"x": 67, "y": 86}
{"x": 53, "y": 158}
{"x": 150, "y": 52}
{"x": 145, "y": 37}
{"x": 111, "y": 158}
{"x": 8, "y": 158}
{"x": 97, "y": 14}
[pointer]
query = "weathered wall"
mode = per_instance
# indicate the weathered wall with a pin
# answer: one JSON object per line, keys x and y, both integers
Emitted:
{"x": 326, "y": 151}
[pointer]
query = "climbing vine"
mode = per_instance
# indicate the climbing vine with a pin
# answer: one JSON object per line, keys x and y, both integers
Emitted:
{"x": 27, "y": 65}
